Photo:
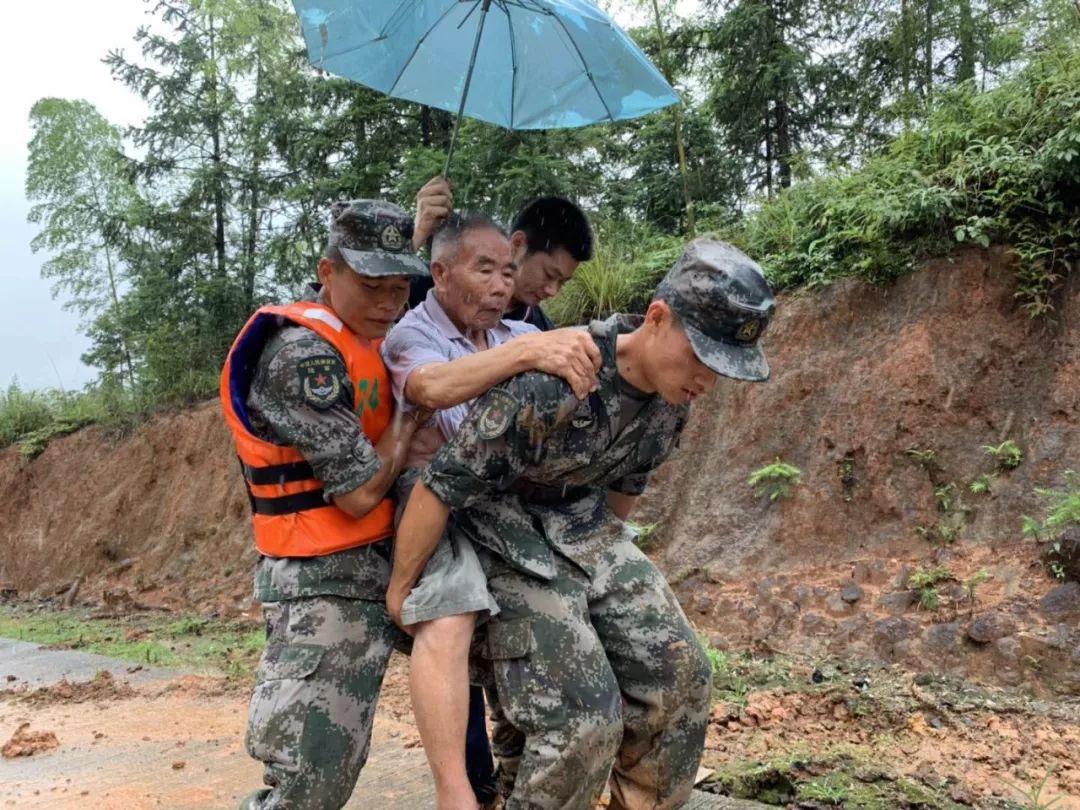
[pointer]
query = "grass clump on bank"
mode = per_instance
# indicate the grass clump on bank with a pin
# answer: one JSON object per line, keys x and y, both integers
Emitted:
{"x": 31, "y": 419}
{"x": 191, "y": 643}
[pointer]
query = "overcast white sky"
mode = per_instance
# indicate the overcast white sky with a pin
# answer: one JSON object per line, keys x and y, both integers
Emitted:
{"x": 55, "y": 50}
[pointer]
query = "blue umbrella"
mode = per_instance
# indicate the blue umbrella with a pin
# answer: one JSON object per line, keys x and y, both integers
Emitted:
{"x": 521, "y": 64}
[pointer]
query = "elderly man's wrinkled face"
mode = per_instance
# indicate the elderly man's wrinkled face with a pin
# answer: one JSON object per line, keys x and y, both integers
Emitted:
{"x": 474, "y": 279}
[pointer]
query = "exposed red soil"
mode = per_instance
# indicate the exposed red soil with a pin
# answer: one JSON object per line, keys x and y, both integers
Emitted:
{"x": 942, "y": 360}
{"x": 26, "y": 743}
{"x": 102, "y": 687}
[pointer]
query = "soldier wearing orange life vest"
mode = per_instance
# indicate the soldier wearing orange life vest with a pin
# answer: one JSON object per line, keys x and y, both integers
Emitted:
{"x": 310, "y": 408}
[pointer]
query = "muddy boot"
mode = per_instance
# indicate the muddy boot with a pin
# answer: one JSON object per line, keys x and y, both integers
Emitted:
{"x": 253, "y": 801}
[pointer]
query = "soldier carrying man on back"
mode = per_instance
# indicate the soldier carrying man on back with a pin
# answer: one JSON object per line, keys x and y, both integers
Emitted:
{"x": 593, "y": 658}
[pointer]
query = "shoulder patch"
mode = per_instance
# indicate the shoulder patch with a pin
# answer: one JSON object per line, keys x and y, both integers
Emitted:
{"x": 499, "y": 408}
{"x": 322, "y": 380}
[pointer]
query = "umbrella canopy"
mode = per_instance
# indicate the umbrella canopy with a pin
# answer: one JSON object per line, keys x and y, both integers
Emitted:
{"x": 533, "y": 64}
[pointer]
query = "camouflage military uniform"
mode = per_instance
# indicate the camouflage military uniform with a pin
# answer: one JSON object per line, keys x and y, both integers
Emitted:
{"x": 593, "y": 657}
{"x": 329, "y": 635}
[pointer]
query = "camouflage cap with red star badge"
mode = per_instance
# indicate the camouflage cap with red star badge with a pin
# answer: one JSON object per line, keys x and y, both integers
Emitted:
{"x": 374, "y": 238}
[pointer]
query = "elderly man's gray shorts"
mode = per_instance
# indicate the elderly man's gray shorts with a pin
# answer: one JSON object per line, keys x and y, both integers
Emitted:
{"x": 453, "y": 581}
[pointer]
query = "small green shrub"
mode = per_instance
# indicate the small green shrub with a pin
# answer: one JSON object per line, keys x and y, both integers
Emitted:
{"x": 1032, "y": 798}
{"x": 945, "y": 497}
{"x": 972, "y": 585}
{"x": 1062, "y": 511}
{"x": 925, "y": 458}
{"x": 643, "y": 533}
{"x": 1007, "y": 455}
{"x": 31, "y": 419}
{"x": 628, "y": 263}
{"x": 925, "y": 581}
{"x": 981, "y": 485}
{"x": 22, "y": 412}
{"x": 775, "y": 480}
{"x": 990, "y": 168}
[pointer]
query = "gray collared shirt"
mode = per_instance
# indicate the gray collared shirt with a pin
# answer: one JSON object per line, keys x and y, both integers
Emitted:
{"x": 427, "y": 335}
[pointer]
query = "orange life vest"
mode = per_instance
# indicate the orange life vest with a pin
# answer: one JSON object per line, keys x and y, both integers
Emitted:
{"x": 291, "y": 515}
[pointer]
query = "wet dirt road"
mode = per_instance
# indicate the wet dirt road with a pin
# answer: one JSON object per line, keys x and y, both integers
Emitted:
{"x": 170, "y": 741}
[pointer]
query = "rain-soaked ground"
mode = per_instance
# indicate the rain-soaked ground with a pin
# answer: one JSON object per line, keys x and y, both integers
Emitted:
{"x": 103, "y": 734}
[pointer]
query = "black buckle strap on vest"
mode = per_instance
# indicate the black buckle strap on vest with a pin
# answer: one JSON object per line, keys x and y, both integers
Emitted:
{"x": 278, "y": 473}
{"x": 543, "y": 495}
{"x": 289, "y": 504}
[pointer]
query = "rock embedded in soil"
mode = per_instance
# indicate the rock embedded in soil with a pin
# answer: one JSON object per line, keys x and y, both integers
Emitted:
{"x": 985, "y": 628}
{"x": 1062, "y": 599}
{"x": 816, "y": 624}
{"x": 1064, "y": 554}
{"x": 851, "y": 592}
{"x": 836, "y": 606}
{"x": 897, "y": 603}
{"x": 893, "y": 631}
{"x": 943, "y": 640}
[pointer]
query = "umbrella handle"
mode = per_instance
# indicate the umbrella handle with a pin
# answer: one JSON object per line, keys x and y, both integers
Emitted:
{"x": 465, "y": 90}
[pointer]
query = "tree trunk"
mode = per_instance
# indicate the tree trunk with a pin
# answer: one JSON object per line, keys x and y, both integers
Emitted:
{"x": 114, "y": 293}
{"x": 966, "y": 36}
{"x": 928, "y": 53}
{"x": 783, "y": 144}
{"x": 770, "y": 153}
{"x": 676, "y": 115}
{"x": 907, "y": 47}
{"x": 218, "y": 163}
{"x": 254, "y": 183}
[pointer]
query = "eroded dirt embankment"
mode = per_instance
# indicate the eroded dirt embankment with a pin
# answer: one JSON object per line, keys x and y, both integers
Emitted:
{"x": 942, "y": 362}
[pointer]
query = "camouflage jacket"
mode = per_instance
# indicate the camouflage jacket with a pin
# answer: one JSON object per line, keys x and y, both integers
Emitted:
{"x": 528, "y": 472}
{"x": 333, "y": 443}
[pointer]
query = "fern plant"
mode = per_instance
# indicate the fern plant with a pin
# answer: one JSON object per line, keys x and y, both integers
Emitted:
{"x": 775, "y": 480}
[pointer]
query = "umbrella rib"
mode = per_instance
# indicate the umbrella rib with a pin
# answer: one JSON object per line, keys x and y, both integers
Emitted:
{"x": 513, "y": 60}
{"x": 585, "y": 65}
{"x": 392, "y": 17}
{"x": 416, "y": 48}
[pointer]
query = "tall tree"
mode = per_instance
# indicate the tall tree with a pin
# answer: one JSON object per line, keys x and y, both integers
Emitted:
{"x": 772, "y": 85}
{"x": 82, "y": 200}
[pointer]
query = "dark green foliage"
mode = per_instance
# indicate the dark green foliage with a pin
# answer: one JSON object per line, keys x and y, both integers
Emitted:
{"x": 884, "y": 132}
{"x": 997, "y": 167}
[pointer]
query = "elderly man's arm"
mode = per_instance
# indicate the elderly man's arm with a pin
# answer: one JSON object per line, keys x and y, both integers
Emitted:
{"x": 568, "y": 353}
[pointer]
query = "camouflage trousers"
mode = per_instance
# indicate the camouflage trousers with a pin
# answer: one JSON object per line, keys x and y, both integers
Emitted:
{"x": 313, "y": 706}
{"x": 596, "y": 674}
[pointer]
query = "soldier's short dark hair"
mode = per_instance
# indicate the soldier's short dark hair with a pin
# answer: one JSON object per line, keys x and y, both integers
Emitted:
{"x": 550, "y": 223}
{"x": 454, "y": 228}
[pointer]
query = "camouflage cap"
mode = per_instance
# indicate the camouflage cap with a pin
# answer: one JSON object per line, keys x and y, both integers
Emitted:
{"x": 374, "y": 238}
{"x": 724, "y": 302}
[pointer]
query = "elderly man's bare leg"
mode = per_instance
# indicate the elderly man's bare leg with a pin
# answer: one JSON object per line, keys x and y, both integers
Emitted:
{"x": 439, "y": 681}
